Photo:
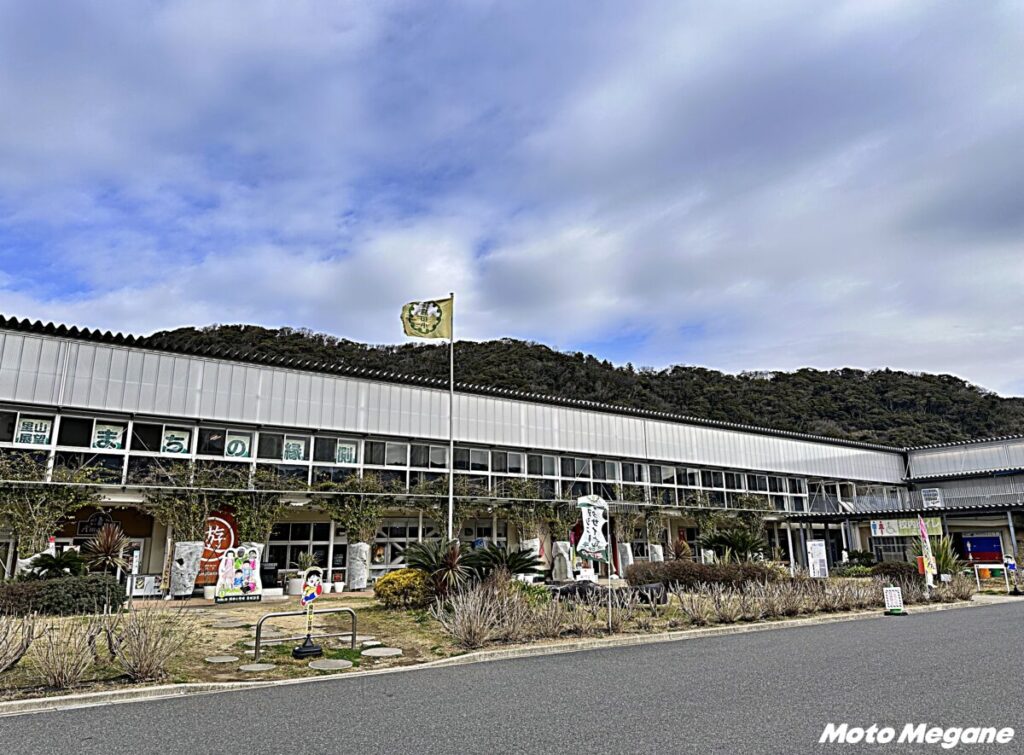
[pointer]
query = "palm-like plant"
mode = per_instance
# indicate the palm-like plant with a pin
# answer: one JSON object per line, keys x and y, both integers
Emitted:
{"x": 493, "y": 559}
{"x": 443, "y": 563}
{"x": 105, "y": 552}
{"x": 49, "y": 566}
{"x": 947, "y": 560}
{"x": 739, "y": 543}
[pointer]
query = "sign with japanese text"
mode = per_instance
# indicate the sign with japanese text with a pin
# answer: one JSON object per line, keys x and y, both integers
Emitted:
{"x": 817, "y": 560}
{"x": 33, "y": 430}
{"x": 175, "y": 441}
{"x": 294, "y": 449}
{"x": 238, "y": 444}
{"x": 220, "y": 537}
{"x": 593, "y": 543}
{"x": 346, "y": 452}
{"x": 108, "y": 436}
{"x": 238, "y": 578}
{"x": 904, "y": 527}
{"x": 926, "y": 549}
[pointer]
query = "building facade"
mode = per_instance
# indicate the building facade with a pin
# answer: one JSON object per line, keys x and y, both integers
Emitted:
{"x": 125, "y": 405}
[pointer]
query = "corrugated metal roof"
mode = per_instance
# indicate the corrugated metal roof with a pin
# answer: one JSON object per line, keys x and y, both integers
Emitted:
{"x": 257, "y": 358}
{"x": 901, "y": 513}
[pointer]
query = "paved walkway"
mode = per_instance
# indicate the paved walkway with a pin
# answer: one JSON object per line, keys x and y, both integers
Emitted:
{"x": 768, "y": 692}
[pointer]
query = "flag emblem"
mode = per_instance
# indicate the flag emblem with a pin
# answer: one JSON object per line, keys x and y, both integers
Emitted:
{"x": 428, "y": 319}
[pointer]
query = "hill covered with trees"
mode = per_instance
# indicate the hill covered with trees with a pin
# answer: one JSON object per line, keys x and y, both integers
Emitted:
{"x": 881, "y": 406}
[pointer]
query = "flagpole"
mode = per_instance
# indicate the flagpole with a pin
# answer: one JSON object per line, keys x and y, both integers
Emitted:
{"x": 451, "y": 420}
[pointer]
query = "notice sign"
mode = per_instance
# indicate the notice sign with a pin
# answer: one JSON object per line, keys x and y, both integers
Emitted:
{"x": 905, "y": 527}
{"x": 817, "y": 560}
{"x": 893, "y": 599}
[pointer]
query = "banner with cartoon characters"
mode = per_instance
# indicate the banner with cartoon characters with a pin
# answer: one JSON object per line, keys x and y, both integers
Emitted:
{"x": 238, "y": 579}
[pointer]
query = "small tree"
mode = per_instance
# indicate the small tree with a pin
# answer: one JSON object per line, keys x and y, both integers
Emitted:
{"x": 523, "y": 509}
{"x": 431, "y": 497}
{"x": 189, "y": 493}
{"x": 33, "y": 509}
{"x": 360, "y": 507}
{"x": 262, "y": 504}
{"x": 561, "y": 517}
{"x": 627, "y": 520}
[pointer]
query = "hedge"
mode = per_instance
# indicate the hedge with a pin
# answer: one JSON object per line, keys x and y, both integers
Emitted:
{"x": 895, "y": 570}
{"x": 403, "y": 588}
{"x": 689, "y": 573}
{"x": 62, "y": 596}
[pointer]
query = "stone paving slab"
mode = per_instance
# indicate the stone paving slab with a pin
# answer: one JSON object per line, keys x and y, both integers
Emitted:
{"x": 221, "y": 659}
{"x": 255, "y": 667}
{"x": 329, "y": 664}
{"x": 382, "y": 652}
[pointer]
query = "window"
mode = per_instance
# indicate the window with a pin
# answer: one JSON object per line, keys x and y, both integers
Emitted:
{"x": 419, "y": 456}
{"x": 271, "y": 446}
{"x": 655, "y": 474}
{"x": 712, "y": 479}
{"x": 211, "y": 442}
{"x": 693, "y": 478}
{"x": 106, "y": 467}
{"x": 733, "y": 481}
{"x": 461, "y": 458}
{"x": 333, "y": 474}
{"x": 776, "y": 485}
{"x": 505, "y": 461}
{"x": 75, "y": 431}
{"x": 438, "y": 457}
{"x": 144, "y": 437}
{"x": 668, "y": 476}
{"x": 632, "y": 472}
{"x": 374, "y": 451}
{"x": 396, "y": 455}
{"x": 7, "y": 422}
{"x": 336, "y": 451}
{"x": 478, "y": 461}
{"x": 541, "y": 466}
{"x": 757, "y": 482}
{"x": 778, "y": 502}
{"x": 575, "y": 468}
{"x": 797, "y": 485}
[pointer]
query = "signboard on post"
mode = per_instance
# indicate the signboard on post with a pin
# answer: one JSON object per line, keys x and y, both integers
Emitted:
{"x": 931, "y": 498}
{"x": 817, "y": 559}
{"x": 312, "y": 588}
{"x": 905, "y": 527}
{"x": 930, "y": 568}
{"x": 893, "y": 600}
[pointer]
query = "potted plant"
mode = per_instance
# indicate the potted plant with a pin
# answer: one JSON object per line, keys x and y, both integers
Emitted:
{"x": 302, "y": 563}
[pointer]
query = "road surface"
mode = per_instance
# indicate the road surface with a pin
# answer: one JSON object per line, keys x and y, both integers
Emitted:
{"x": 764, "y": 692}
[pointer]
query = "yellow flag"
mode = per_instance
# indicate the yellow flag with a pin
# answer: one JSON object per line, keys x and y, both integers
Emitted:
{"x": 428, "y": 319}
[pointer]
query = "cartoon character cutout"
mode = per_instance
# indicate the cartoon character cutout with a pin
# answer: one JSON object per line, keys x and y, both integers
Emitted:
{"x": 226, "y": 574}
{"x": 312, "y": 585}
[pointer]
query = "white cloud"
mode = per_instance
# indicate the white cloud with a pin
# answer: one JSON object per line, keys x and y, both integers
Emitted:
{"x": 762, "y": 186}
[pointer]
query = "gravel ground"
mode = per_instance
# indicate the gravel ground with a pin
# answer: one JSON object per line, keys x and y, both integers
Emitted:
{"x": 767, "y": 692}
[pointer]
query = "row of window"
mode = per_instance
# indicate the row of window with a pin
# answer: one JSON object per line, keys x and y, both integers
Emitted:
{"x": 31, "y": 429}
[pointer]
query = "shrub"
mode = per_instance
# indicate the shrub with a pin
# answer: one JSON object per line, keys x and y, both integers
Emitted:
{"x": 493, "y": 559}
{"x": 50, "y": 566}
{"x": 861, "y": 558}
{"x": 853, "y": 570}
{"x": 696, "y": 607}
{"x": 470, "y": 617}
{"x": 16, "y": 635}
{"x": 403, "y": 588}
{"x": 962, "y": 587}
{"x": 143, "y": 641}
{"x": 689, "y": 573}
{"x": 62, "y": 596}
{"x": 443, "y": 563}
{"x": 549, "y": 619}
{"x": 65, "y": 652}
{"x": 895, "y": 570}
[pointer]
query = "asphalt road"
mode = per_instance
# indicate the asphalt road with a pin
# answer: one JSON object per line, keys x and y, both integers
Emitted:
{"x": 766, "y": 692}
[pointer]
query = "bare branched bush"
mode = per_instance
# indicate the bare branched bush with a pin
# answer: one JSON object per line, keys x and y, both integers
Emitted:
{"x": 725, "y": 603}
{"x": 579, "y": 620}
{"x": 65, "y": 651}
{"x": 469, "y": 616}
{"x": 962, "y": 587}
{"x": 549, "y": 619}
{"x": 696, "y": 606}
{"x": 751, "y": 605}
{"x": 16, "y": 635}
{"x": 143, "y": 641}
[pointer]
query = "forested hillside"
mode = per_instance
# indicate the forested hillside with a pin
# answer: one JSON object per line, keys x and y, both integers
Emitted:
{"x": 883, "y": 406}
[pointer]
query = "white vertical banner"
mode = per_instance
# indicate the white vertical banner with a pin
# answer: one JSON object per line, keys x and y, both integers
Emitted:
{"x": 593, "y": 544}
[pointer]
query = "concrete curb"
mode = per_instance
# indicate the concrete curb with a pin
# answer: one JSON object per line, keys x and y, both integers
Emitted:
{"x": 167, "y": 691}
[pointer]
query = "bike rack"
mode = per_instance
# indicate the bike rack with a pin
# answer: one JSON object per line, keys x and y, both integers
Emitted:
{"x": 259, "y": 627}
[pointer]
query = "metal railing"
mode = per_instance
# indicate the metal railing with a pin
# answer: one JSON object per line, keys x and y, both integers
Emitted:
{"x": 276, "y": 640}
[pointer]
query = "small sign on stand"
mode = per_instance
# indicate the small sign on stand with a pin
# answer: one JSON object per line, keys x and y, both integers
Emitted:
{"x": 893, "y": 601}
{"x": 312, "y": 588}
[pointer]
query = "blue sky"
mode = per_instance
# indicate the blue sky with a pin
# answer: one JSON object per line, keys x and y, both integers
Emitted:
{"x": 741, "y": 185}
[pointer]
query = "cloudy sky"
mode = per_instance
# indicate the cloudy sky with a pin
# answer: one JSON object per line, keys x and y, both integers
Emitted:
{"x": 738, "y": 185}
